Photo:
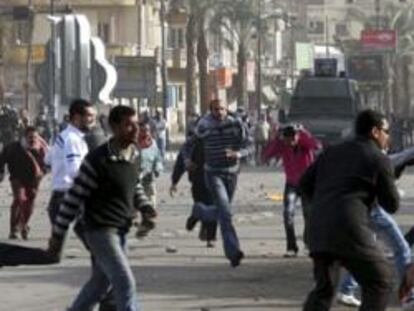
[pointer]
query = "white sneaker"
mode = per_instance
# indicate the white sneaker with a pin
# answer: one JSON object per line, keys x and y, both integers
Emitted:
{"x": 348, "y": 300}
{"x": 409, "y": 304}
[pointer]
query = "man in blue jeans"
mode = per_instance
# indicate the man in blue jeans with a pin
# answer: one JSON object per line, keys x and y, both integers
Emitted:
{"x": 387, "y": 228}
{"x": 225, "y": 141}
{"x": 107, "y": 189}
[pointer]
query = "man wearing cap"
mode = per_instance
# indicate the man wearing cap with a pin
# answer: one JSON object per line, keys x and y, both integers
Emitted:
{"x": 296, "y": 147}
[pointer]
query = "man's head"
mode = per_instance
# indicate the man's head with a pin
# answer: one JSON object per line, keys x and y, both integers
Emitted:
{"x": 144, "y": 129}
{"x": 158, "y": 114}
{"x": 123, "y": 121}
{"x": 373, "y": 125}
{"x": 218, "y": 109}
{"x": 82, "y": 114}
{"x": 31, "y": 136}
{"x": 290, "y": 135}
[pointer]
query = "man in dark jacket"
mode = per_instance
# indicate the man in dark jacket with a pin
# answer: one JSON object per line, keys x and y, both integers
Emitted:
{"x": 199, "y": 190}
{"x": 106, "y": 191}
{"x": 25, "y": 162}
{"x": 342, "y": 186}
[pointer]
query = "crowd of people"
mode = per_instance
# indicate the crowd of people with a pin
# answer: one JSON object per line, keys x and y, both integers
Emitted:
{"x": 107, "y": 184}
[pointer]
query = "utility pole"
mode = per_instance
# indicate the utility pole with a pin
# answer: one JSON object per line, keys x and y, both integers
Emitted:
{"x": 377, "y": 14}
{"x": 327, "y": 35}
{"x": 164, "y": 77}
{"x": 259, "y": 60}
{"x": 52, "y": 111}
{"x": 26, "y": 84}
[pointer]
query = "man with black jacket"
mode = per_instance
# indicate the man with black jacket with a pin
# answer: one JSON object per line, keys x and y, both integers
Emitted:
{"x": 343, "y": 185}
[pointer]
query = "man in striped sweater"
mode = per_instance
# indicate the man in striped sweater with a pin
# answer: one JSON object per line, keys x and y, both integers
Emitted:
{"x": 107, "y": 189}
{"x": 225, "y": 141}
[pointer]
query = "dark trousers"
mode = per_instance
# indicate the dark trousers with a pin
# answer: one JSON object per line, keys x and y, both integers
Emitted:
{"x": 290, "y": 201}
{"x": 374, "y": 277}
{"x": 199, "y": 191}
{"x": 54, "y": 204}
{"x": 22, "y": 206}
{"x": 409, "y": 236}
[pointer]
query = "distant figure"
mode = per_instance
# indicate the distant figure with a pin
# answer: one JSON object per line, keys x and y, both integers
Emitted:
{"x": 25, "y": 163}
{"x": 261, "y": 137}
{"x": 296, "y": 147}
{"x": 161, "y": 132}
{"x": 151, "y": 168}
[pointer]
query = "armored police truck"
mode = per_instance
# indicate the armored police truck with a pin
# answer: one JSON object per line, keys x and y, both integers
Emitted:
{"x": 325, "y": 102}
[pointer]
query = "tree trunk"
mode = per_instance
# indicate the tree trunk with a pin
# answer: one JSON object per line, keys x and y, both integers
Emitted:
{"x": 241, "y": 76}
{"x": 406, "y": 61}
{"x": 202, "y": 57}
{"x": 191, "y": 96}
{"x": 26, "y": 84}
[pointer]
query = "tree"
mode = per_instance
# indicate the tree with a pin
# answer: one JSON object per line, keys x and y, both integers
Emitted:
{"x": 26, "y": 84}
{"x": 197, "y": 47}
{"x": 236, "y": 19}
{"x": 401, "y": 20}
{"x": 191, "y": 36}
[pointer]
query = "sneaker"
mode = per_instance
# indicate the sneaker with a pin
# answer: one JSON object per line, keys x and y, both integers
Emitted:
{"x": 235, "y": 262}
{"x": 13, "y": 235}
{"x": 190, "y": 223}
{"x": 408, "y": 304}
{"x": 210, "y": 244}
{"x": 25, "y": 233}
{"x": 144, "y": 228}
{"x": 290, "y": 254}
{"x": 348, "y": 300}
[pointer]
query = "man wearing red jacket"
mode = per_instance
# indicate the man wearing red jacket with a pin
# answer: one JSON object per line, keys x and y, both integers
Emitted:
{"x": 296, "y": 147}
{"x": 25, "y": 163}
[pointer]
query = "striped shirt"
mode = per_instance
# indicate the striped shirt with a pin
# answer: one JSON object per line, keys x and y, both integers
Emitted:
{"x": 105, "y": 193}
{"x": 217, "y": 136}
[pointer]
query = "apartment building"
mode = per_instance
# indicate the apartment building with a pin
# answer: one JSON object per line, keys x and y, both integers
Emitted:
{"x": 330, "y": 21}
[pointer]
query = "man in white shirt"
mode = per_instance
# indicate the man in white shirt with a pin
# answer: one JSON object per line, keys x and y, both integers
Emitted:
{"x": 68, "y": 152}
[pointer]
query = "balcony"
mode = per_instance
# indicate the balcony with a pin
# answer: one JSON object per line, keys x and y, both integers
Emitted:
{"x": 74, "y": 3}
{"x": 176, "y": 58}
{"x": 18, "y": 54}
{"x": 120, "y": 50}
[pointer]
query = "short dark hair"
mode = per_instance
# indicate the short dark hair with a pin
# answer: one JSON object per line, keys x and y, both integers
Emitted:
{"x": 30, "y": 129}
{"x": 367, "y": 120}
{"x": 290, "y": 130}
{"x": 118, "y": 113}
{"x": 78, "y": 106}
{"x": 214, "y": 101}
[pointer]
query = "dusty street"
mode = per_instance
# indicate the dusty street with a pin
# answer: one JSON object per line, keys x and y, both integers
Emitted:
{"x": 173, "y": 269}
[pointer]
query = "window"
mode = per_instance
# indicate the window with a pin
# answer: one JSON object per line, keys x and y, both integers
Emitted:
{"x": 316, "y": 27}
{"x": 22, "y": 32}
{"x": 316, "y": 2}
{"x": 341, "y": 29}
{"x": 176, "y": 39}
{"x": 104, "y": 32}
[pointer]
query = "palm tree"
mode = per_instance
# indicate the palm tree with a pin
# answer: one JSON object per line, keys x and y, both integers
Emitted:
{"x": 26, "y": 86}
{"x": 236, "y": 19}
{"x": 401, "y": 20}
{"x": 197, "y": 47}
{"x": 191, "y": 36}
